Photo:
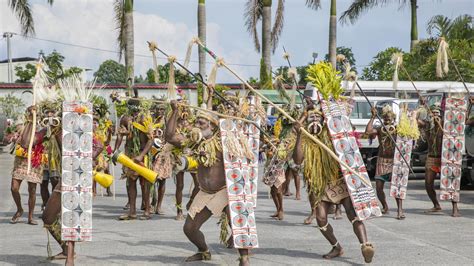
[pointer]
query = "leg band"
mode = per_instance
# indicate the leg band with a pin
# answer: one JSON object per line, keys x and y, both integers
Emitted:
{"x": 324, "y": 228}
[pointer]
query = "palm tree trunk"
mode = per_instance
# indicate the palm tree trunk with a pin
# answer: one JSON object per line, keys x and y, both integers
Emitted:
{"x": 202, "y": 36}
{"x": 332, "y": 34}
{"x": 267, "y": 34}
{"x": 129, "y": 45}
{"x": 414, "y": 26}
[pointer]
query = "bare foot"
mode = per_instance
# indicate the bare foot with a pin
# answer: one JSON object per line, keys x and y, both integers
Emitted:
{"x": 159, "y": 211}
{"x": 274, "y": 215}
{"x": 244, "y": 260}
{"x": 385, "y": 210}
{"x": 279, "y": 216}
{"x": 287, "y": 194}
{"x": 127, "y": 217}
{"x": 16, "y": 217}
{"x": 400, "y": 215}
{"x": 32, "y": 222}
{"x": 368, "y": 252}
{"x": 298, "y": 196}
{"x": 206, "y": 255}
{"x": 59, "y": 256}
{"x": 127, "y": 206}
{"x": 456, "y": 213}
{"x": 309, "y": 219}
{"x": 179, "y": 217}
{"x": 338, "y": 214}
{"x": 335, "y": 252}
{"x": 434, "y": 209}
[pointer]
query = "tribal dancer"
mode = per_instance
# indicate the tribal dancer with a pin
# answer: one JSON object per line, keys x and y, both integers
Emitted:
{"x": 137, "y": 146}
{"x": 212, "y": 196}
{"x": 158, "y": 114}
{"x": 324, "y": 182}
{"x": 431, "y": 125}
{"x": 20, "y": 168}
{"x": 384, "y": 167}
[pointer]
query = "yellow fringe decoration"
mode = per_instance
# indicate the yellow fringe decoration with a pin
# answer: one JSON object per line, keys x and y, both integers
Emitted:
{"x": 146, "y": 126}
{"x": 277, "y": 128}
{"x": 319, "y": 167}
{"x": 408, "y": 127}
{"x": 325, "y": 78}
{"x": 210, "y": 148}
{"x": 224, "y": 222}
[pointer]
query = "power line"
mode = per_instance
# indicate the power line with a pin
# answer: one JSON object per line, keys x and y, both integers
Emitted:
{"x": 138, "y": 55}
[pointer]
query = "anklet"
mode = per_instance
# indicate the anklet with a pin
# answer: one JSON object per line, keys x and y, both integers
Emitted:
{"x": 335, "y": 245}
{"x": 355, "y": 220}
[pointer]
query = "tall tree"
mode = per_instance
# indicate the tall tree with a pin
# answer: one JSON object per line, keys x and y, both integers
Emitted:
{"x": 124, "y": 24}
{"x": 359, "y": 6}
{"x": 22, "y": 10}
{"x": 201, "y": 20}
{"x": 316, "y": 4}
{"x": 255, "y": 11}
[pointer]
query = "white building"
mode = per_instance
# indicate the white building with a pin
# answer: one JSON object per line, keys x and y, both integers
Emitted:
{"x": 20, "y": 61}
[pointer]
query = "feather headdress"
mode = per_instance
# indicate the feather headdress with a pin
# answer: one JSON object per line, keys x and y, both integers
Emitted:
{"x": 442, "y": 67}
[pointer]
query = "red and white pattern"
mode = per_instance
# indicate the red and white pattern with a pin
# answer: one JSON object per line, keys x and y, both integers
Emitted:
{"x": 453, "y": 147}
{"x": 340, "y": 129}
{"x": 76, "y": 186}
{"x": 400, "y": 172}
{"x": 241, "y": 180}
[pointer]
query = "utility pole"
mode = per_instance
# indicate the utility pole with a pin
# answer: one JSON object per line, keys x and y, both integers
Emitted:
{"x": 8, "y": 35}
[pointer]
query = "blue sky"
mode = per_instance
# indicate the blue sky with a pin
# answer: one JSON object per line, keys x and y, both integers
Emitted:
{"x": 172, "y": 23}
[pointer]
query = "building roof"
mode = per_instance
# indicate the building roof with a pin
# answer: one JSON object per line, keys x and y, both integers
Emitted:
{"x": 19, "y": 59}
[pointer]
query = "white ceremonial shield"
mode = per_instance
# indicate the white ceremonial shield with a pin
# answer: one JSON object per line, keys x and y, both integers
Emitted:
{"x": 76, "y": 186}
{"x": 241, "y": 181}
{"x": 361, "y": 192}
{"x": 453, "y": 147}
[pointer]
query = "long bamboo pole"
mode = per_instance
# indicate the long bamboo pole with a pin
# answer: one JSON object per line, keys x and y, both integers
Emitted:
{"x": 33, "y": 126}
{"x": 303, "y": 131}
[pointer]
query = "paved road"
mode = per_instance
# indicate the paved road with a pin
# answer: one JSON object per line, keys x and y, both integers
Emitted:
{"x": 420, "y": 239}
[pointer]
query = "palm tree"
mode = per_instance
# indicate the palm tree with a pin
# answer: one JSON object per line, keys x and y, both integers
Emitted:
{"x": 22, "y": 10}
{"x": 316, "y": 4}
{"x": 201, "y": 19}
{"x": 359, "y": 6}
{"x": 124, "y": 24}
{"x": 257, "y": 10}
{"x": 459, "y": 28}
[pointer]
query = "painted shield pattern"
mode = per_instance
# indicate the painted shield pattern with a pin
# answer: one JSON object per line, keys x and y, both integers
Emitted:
{"x": 76, "y": 186}
{"x": 361, "y": 192}
{"x": 241, "y": 182}
{"x": 452, "y": 148}
{"x": 398, "y": 186}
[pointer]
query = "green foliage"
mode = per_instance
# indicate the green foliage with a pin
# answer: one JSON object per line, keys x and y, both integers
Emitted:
{"x": 11, "y": 106}
{"x": 55, "y": 70}
{"x": 215, "y": 99}
{"x": 111, "y": 71}
{"x": 179, "y": 76}
{"x": 121, "y": 108}
{"x": 381, "y": 67}
{"x": 347, "y": 52}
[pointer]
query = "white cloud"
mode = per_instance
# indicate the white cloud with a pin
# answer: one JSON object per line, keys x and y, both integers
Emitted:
{"x": 91, "y": 23}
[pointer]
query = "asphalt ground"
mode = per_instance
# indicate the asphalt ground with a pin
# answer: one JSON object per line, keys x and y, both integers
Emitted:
{"x": 420, "y": 239}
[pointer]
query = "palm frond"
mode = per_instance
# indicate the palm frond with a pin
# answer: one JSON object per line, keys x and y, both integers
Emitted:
{"x": 461, "y": 28}
{"x": 358, "y": 7}
{"x": 50, "y": 2}
{"x": 314, "y": 4}
{"x": 119, "y": 9}
{"x": 22, "y": 10}
{"x": 253, "y": 13}
{"x": 278, "y": 25}
{"x": 439, "y": 25}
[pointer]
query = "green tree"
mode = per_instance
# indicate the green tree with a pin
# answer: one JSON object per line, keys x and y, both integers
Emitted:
{"x": 22, "y": 10}
{"x": 11, "y": 106}
{"x": 381, "y": 67}
{"x": 358, "y": 7}
{"x": 316, "y": 4}
{"x": 54, "y": 71}
{"x": 347, "y": 52}
{"x": 261, "y": 10}
{"x": 124, "y": 24}
{"x": 111, "y": 71}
